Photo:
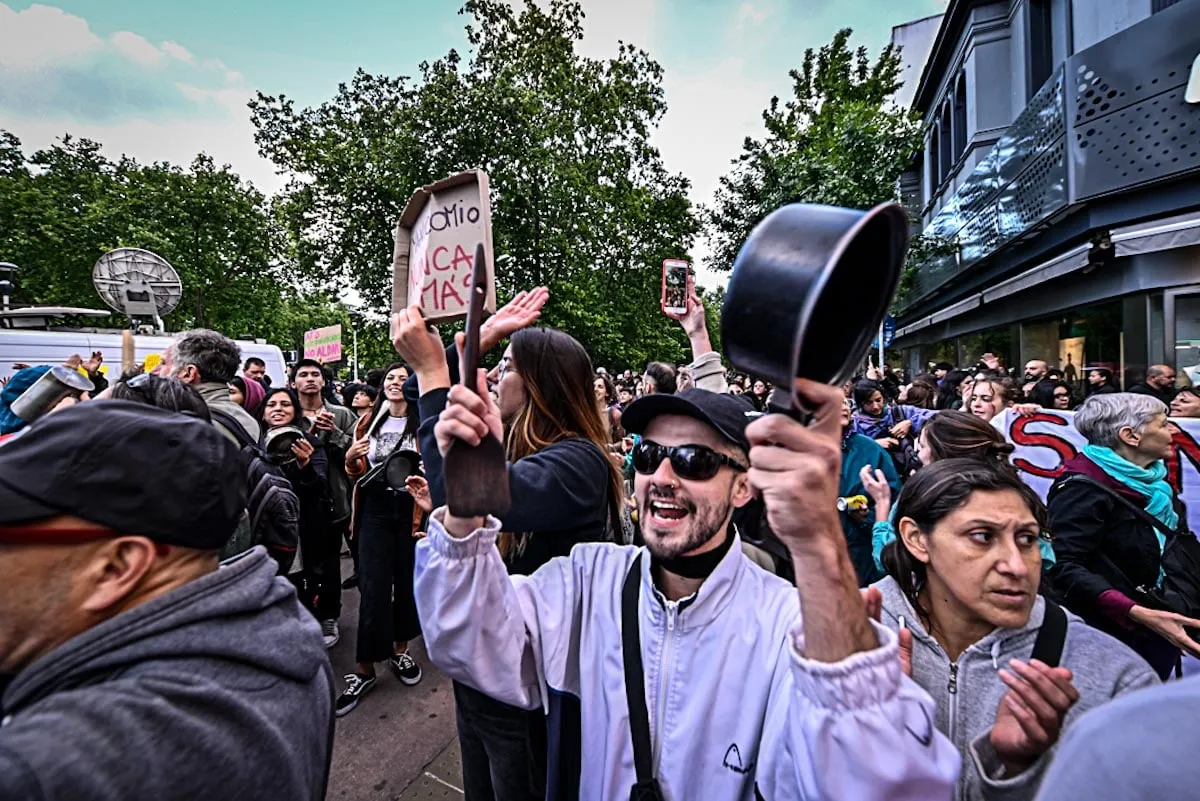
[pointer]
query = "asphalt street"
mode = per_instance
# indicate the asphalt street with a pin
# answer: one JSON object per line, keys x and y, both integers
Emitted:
{"x": 400, "y": 743}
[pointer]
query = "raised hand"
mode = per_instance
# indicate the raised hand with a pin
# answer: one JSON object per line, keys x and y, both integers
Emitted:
{"x": 418, "y": 488}
{"x": 420, "y": 346}
{"x": 520, "y": 312}
{"x": 1030, "y": 716}
{"x": 302, "y": 449}
{"x": 876, "y": 485}
{"x": 469, "y": 416}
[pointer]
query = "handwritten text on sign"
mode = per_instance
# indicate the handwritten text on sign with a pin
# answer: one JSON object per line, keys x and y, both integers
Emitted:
{"x": 1048, "y": 439}
{"x": 324, "y": 344}
{"x": 442, "y": 252}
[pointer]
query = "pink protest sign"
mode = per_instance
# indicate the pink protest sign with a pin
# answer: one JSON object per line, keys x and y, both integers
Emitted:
{"x": 324, "y": 344}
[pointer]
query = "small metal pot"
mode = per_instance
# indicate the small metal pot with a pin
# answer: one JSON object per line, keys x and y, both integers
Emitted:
{"x": 399, "y": 466}
{"x": 809, "y": 290}
{"x": 278, "y": 442}
{"x": 48, "y": 391}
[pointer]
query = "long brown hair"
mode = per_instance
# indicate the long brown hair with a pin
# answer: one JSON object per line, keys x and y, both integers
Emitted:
{"x": 560, "y": 403}
{"x": 412, "y": 416}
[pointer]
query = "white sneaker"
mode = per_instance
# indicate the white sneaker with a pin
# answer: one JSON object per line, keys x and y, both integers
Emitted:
{"x": 330, "y": 632}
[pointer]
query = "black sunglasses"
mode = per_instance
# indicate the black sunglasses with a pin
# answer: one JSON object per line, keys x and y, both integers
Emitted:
{"x": 691, "y": 462}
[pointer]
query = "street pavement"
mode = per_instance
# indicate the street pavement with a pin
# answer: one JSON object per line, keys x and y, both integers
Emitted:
{"x": 400, "y": 743}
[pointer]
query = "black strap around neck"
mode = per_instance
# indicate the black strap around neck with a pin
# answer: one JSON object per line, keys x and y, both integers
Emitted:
{"x": 646, "y": 788}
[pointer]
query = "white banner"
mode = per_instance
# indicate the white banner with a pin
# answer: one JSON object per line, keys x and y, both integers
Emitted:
{"x": 1048, "y": 439}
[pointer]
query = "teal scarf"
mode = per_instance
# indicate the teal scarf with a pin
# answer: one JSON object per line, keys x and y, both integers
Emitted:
{"x": 1148, "y": 482}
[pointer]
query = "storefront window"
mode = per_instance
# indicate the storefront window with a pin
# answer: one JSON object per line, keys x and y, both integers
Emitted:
{"x": 997, "y": 341}
{"x": 1091, "y": 337}
{"x": 1187, "y": 338}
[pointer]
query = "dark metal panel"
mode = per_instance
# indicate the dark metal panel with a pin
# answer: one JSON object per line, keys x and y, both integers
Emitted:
{"x": 1129, "y": 122}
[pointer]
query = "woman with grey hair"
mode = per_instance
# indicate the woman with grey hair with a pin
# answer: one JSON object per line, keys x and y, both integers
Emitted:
{"x": 1105, "y": 548}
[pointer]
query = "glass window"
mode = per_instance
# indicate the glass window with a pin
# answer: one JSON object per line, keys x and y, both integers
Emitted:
{"x": 1187, "y": 338}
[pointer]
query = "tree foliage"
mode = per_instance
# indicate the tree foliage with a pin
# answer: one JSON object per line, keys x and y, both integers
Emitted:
{"x": 838, "y": 140}
{"x": 581, "y": 201}
{"x": 65, "y": 206}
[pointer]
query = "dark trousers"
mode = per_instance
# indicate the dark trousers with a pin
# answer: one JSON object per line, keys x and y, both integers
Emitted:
{"x": 387, "y": 612}
{"x": 326, "y": 573}
{"x": 503, "y": 748}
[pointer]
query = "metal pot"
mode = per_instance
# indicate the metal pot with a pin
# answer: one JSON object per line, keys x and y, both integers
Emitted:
{"x": 278, "y": 442}
{"x": 48, "y": 391}
{"x": 399, "y": 466}
{"x": 809, "y": 290}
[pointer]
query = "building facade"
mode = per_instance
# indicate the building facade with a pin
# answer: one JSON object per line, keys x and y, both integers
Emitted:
{"x": 1059, "y": 188}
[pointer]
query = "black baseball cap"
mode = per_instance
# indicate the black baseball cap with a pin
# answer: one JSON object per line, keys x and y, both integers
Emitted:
{"x": 133, "y": 468}
{"x": 728, "y": 414}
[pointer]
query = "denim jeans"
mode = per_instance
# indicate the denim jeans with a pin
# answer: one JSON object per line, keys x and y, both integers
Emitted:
{"x": 503, "y": 748}
{"x": 387, "y": 612}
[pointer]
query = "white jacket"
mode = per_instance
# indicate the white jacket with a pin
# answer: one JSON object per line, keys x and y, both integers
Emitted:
{"x": 732, "y": 702}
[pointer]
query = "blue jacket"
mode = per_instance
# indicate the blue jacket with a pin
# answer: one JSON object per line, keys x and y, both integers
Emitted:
{"x": 859, "y": 451}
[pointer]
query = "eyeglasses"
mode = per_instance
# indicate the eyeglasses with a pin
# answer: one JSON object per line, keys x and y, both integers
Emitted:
{"x": 504, "y": 368}
{"x": 690, "y": 462}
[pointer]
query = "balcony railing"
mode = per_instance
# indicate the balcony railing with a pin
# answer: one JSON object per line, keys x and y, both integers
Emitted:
{"x": 1110, "y": 119}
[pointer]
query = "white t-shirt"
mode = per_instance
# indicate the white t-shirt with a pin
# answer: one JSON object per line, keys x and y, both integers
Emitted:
{"x": 387, "y": 436}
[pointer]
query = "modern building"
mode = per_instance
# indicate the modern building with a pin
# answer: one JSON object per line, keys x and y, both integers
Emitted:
{"x": 1059, "y": 187}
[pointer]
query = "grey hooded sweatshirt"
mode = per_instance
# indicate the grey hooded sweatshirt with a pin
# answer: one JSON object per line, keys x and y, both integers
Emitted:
{"x": 219, "y": 689}
{"x": 969, "y": 691}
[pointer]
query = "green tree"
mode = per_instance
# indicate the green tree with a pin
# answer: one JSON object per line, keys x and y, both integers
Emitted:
{"x": 581, "y": 201}
{"x": 220, "y": 234}
{"x": 838, "y": 140}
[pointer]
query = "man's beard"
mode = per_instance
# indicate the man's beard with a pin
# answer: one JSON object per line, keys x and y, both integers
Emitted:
{"x": 704, "y": 526}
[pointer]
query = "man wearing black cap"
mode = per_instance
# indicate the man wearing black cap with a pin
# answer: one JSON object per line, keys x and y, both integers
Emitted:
{"x": 131, "y": 666}
{"x": 681, "y": 669}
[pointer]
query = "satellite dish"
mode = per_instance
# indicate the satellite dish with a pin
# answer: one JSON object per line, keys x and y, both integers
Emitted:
{"x": 138, "y": 283}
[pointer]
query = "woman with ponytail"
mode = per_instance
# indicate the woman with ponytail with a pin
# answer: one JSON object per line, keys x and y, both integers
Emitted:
{"x": 948, "y": 435}
{"x": 1008, "y": 669}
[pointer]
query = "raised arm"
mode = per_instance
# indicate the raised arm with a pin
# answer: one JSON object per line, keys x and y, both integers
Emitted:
{"x": 855, "y": 726}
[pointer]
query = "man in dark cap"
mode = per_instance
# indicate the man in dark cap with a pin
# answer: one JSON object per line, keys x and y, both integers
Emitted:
{"x": 681, "y": 669}
{"x": 131, "y": 665}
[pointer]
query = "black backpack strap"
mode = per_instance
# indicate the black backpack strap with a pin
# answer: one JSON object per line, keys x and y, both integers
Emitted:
{"x": 635, "y": 687}
{"x": 230, "y": 423}
{"x": 1052, "y": 635}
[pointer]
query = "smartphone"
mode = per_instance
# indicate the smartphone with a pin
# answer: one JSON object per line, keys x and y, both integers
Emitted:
{"x": 674, "y": 286}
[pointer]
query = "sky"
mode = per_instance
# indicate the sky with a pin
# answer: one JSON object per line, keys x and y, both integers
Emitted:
{"x": 163, "y": 80}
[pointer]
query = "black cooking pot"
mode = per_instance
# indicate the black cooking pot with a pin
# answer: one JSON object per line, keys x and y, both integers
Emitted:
{"x": 809, "y": 290}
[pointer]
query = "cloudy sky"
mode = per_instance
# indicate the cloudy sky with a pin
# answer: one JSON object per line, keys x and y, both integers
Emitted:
{"x": 165, "y": 79}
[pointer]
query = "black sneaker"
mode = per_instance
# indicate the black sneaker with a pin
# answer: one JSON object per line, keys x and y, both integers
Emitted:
{"x": 356, "y": 687}
{"x": 406, "y": 669}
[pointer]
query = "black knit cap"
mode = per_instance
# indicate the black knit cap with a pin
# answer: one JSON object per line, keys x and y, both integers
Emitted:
{"x": 136, "y": 469}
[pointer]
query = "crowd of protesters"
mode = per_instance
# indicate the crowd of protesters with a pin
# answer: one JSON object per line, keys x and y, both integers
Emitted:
{"x": 688, "y": 596}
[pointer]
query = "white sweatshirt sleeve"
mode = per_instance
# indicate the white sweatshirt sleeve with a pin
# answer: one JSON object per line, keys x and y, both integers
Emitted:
{"x": 484, "y": 628}
{"x": 857, "y": 729}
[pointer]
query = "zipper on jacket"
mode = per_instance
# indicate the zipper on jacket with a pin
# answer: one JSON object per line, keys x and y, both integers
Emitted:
{"x": 663, "y": 675}
{"x": 952, "y": 688}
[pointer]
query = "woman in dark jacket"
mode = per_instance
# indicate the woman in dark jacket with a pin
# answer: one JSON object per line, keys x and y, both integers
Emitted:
{"x": 1105, "y": 550}
{"x": 564, "y": 488}
{"x": 306, "y": 468}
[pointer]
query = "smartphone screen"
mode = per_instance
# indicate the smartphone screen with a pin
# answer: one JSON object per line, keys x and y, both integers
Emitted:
{"x": 674, "y": 286}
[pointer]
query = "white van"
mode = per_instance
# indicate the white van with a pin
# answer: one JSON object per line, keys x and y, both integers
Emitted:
{"x": 20, "y": 346}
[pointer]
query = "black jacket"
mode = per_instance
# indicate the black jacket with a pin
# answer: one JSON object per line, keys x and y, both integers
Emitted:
{"x": 1166, "y": 396}
{"x": 1101, "y": 544}
{"x": 311, "y": 486}
{"x": 560, "y": 495}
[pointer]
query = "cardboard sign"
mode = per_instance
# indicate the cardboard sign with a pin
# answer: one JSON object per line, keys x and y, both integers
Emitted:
{"x": 324, "y": 344}
{"x": 1045, "y": 441}
{"x": 435, "y": 247}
